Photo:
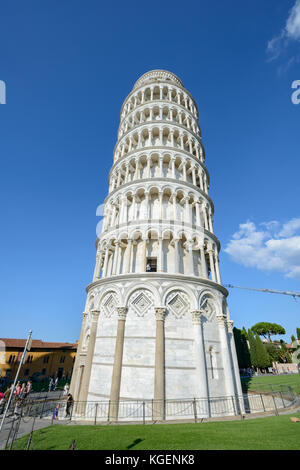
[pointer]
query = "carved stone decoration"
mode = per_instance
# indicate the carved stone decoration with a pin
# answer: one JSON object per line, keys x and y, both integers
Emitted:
{"x": 160, "y": 313}
{"x": 141, "y": 302}
{"x": 230, "y": 326}
{"x": 109, "y": 304}
{"x": 86, "y": 340}
{"x": 178, "y": 304}
{"x": 197, "y": 316}
{"x": 207, "y": 306}
{"x": 122, "y": 312}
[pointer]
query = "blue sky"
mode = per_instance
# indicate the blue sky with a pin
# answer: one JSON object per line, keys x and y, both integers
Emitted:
{"x": 68, "y": 66}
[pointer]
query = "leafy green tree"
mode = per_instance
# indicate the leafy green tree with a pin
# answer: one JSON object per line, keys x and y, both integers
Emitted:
{"x": 244, "y": 332}
{"x": 242, "y": 349}
{"x": 293, "y": 338}
{"x": 273, "y": 352}
{"x": 263, "y": 358}
{"x": 266, "y": 329}
{"x": 252, "y": 345}
{"x": 281, "y": 355}
{"x": 298, "y": 333}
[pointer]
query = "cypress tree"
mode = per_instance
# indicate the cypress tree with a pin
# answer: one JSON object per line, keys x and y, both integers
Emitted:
{"x": 252, "y": 345}
{"x": 242, "y": 350}
{"x": 263, "y": 358}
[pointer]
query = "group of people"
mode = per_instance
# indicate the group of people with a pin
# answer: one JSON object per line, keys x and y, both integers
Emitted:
{"x": 21, "y": 391}
{"x": 69, "y": 404}
{"x": 53, "y": 384}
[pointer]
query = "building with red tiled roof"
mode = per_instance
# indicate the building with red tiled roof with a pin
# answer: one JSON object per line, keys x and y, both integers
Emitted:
{"x": 43, "y": 360}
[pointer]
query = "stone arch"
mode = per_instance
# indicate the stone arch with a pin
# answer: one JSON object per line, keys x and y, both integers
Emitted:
{"x": 209, "y": 303}
{"x": 109, "y": 300}
{"x": 86, "y": 339}
{"x": 177, "y": 303}
{"x": 142, "y": 299}
{"x": 187, "y": 291}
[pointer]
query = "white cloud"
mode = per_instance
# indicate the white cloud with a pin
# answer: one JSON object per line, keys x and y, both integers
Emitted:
{"x": 290, "y": 228}
{"x": 267, "y": 250}
{"x": 291, "y": 32}
{"x": 292, "y": 27}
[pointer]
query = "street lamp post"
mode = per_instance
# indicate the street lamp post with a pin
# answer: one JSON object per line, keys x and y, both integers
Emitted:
{"x": 22, "y": 361}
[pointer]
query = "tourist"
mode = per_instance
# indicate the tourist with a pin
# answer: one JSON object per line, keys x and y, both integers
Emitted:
{"x": 17, "y": 389}
{"x": 55, "y": 383}
{"x": 28, "y": 387}
{"x": 69, "y": 404}
{"x": 18, "y": 408}
{"x": 148, "y": 268}
{"x": 66, "y": 389}
{"x": 55, "y": 412}
{"x": 50, "y": 384}
{"x": 23, "y": 391}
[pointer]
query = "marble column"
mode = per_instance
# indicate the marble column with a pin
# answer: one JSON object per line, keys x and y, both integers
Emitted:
{"x": 159, "y": 373}
{"x": 225, "y": 355}
{"x": 160, "y": 255}
{"x": 116, "y": 256}
{"x": 201, "y": 390}
{"x": 128, "y": 256}
{"x": 217, "y": 268}
{"x": 77, "y": 369}
{"x": 117, "y": 368}
{"x": 83, "y": 393}
{"x": 203, "y": 263}
{"x": 97, "y": 267}
{"x": 160, "y": 194}
{"x": 212, "y": 265}
{"x": 105, "y": 262}
{"x": 176, "y": 256}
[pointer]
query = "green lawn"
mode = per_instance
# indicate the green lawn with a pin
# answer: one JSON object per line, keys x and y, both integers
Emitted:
{"x": 271, "y": 433}
{"x": 265, "y": 383}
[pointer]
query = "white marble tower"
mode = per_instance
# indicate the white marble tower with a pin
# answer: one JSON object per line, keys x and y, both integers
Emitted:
{"x": 156, "y": 323}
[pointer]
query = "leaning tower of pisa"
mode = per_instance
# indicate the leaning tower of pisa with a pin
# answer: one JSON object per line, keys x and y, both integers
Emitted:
{"x": 156, "y": 324}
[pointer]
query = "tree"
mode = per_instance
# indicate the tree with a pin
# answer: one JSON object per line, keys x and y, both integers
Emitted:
{"x": 266, "y": 329}
{"x": 242, "y": 349}
{"x": 263, "y": 358}
{"x": 281, "y": 355}
{"x": 252, "y": 345}
{"x": 293, "y": 338}
{"x": 298, "y": 333}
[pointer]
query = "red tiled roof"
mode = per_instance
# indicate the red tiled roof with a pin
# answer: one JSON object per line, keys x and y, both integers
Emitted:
{"x": 36, "y": 344}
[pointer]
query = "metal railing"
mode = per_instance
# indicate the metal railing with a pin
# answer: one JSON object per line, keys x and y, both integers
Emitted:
{"x": 158, "y": 410}
{"x": 35, "y": 413}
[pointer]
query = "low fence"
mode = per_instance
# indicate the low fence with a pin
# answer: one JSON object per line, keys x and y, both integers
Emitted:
{"x": 34, "y": 414}
{"x": 158, "y": 410}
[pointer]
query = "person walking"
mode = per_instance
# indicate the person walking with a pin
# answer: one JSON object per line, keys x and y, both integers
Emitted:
{"x": 2, "y": 403}
{"x": 17, "y": 389}
{"x": 66, "y": 389}
{"x": 55, "y": 383}
{"x": 23, "y": 392}
{"x": 50, "y": 384}
{"x": 28, "y": 387}
{"x": 18, "y": 408}
{"x": 69, "y": 405}
{"x": 55, "y": 412}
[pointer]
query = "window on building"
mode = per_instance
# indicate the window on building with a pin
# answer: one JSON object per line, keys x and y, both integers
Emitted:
{"x": 8, "y": 372}
{"x": 62, "y": 359}
{"x": 46, "y": 359}
{"x": 43, "y": 371}
{"x": 11, "y": 359}
{"x": 29, "y": 359}
{"x": 151, "y": 265}
{"x": 26, "y": 372}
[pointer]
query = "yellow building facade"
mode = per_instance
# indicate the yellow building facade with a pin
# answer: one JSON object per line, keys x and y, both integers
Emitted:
{"x": 43, "y": 360}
